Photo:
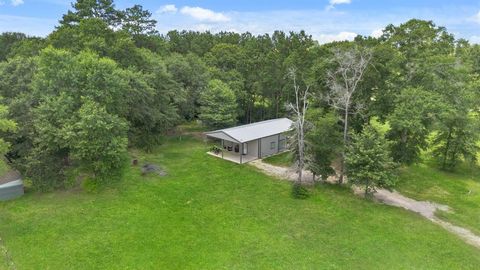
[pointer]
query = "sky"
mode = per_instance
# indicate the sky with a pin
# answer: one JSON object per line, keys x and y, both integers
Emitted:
{"x": 325, "y": 20}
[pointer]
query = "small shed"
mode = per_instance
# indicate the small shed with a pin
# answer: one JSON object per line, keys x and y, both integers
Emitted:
{"x": 11, "y": 185}
{"x": 245, "y": 143}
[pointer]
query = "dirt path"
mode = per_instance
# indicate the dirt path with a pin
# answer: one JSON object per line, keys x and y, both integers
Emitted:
{"x": 425, "y": 208}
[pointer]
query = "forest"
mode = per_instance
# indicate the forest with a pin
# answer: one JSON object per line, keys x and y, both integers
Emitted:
{"x": 104, "y": 81}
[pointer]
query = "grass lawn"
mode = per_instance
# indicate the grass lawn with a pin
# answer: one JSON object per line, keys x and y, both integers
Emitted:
{"x": 284, "y": 159}
{"x": 459, "y": 190}
{"x": 210, "y": 214}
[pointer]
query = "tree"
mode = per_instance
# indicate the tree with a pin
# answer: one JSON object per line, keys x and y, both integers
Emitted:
{"x": 410, "y": 122}
{"x": 218, "y": 105}
{"x": 324, "y": 143}
{"x": 6, "y": 125}
{"x": 368, "y": 161}
{"x": 343, "y": 83}
{"x": 137, "y": 21}
{"x": 299, "y": 109}
{"x": 193, "y": 75}
{"x": 8, "y": 40}
{"x": 104, "y": 155}
{"x": 457, "y": 129}
{"x": 87, "y": 9}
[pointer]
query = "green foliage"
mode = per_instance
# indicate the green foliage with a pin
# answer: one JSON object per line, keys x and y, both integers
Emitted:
{"x": 410, "y": 123}
{"x": 137, "y": 21}
{"x": 98, "y": 140}
{"x": 324, "y": 142}
{"x": 6, "y": 125}
{"x": 85, "y": 9}
{"x": 8, "y": 40}
{"x": 368, "y": 161}
{"x": 219, "y": 105}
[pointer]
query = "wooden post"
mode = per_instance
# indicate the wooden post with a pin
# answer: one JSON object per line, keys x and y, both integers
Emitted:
{"x": 222, "y": 148}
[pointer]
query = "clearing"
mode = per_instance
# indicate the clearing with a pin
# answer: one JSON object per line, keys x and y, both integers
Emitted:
{"x": 208, "y": 213}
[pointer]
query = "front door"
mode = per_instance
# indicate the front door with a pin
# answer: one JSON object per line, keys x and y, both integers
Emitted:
{"x": 245, "y": 148}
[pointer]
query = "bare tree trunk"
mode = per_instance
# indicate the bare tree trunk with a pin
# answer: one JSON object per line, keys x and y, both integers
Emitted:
{"x": 343, "y": 82}
{"x": 345, "y": 138}
{"x": 300, "y": 108}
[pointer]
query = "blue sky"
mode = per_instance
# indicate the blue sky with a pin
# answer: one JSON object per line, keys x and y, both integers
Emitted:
{"x": 326, "y": 20}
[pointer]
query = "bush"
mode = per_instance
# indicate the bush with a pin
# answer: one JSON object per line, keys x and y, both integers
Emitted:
{"x": 299, "y": 191}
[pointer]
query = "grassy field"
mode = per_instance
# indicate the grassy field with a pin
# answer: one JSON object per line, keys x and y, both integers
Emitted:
{"x": 284, "y": 159}
{"x": 460, "y": 190}
{"x": 210, "y": 214}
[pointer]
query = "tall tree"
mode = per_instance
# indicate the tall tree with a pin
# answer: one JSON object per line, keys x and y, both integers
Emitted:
{"x": 324, "y": 143}
{"x": 137, "y": 21}
{"x": 411, "y": 121}
{"x": 343, "y": 82}
{"x": 219, "y": 105}
{"x": 299, "y": 109}
{"x": 87, "y": 9}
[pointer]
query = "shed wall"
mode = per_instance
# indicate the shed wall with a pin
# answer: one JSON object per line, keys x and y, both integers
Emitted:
{"x": 252, "y": 148}
{"x": 11, "y": 190}
{"x": 269, "y": 146}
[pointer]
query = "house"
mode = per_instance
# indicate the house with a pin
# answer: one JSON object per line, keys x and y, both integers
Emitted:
{"x": 245, "y": 143}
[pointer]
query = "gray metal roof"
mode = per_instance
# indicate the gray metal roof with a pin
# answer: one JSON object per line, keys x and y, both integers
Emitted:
{"x": 253, "y": 131}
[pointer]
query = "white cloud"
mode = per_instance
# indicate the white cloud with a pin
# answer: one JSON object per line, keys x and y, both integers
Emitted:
{"x": 476, "y": 18}
{"x": 16, "y": 2}
{"x": 337, "y": 2}
{"x": 203, "y": 14}
{"x": 376, "y": 33}
{"x": 167, "y": 9}
{"x": 326, "y": 38}
{"x": 475, "y": 39}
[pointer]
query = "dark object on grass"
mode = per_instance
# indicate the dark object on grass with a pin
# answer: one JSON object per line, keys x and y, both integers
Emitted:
{"x": 151, "y": 168}
{"x": 299, "y": 191}
{"x": 135, "y": 162}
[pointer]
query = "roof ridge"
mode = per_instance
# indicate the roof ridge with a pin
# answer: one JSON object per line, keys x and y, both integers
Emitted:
{"x": 251, "y": 124}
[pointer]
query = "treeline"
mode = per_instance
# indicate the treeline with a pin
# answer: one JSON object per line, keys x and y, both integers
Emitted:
{"x": 105, "y": 80}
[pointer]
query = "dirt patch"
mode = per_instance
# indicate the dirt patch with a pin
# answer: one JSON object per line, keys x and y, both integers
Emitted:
{"x": 424, "y": 208}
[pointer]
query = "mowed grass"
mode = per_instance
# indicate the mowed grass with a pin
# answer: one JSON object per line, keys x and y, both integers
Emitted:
{"x": 460, "y": 190}
{"x": 212, "y": 214}
{"x": 284, "y": 159}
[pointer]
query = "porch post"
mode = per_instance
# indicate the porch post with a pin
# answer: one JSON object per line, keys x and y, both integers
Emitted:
{"x": 241, "y": 152}
{"x": 222, "y": 148}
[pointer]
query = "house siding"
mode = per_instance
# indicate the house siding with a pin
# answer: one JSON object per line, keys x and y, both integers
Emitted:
{"x": 252, "y": 148}
{"x": 266, "y": 148}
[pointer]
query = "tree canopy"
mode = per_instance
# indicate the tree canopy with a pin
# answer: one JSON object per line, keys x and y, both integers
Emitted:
{"x": 107, "y": 73}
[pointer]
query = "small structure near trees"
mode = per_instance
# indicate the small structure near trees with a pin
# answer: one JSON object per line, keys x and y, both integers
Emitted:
{"x": 245, "y": 143}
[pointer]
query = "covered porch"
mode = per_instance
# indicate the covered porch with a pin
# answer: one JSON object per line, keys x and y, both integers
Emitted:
{"x": 233, "y": 157}
{"x": 236, "y": 152}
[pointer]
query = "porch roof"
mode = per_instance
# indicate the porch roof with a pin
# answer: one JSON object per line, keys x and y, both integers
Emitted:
{"x": 253, "y": 131}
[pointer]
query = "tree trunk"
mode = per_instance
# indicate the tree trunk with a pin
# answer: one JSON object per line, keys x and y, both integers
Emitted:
{"x": 345, "y": 136}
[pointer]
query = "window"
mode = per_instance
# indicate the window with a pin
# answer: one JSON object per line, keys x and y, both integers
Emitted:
{"x": 273, "y": 145}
